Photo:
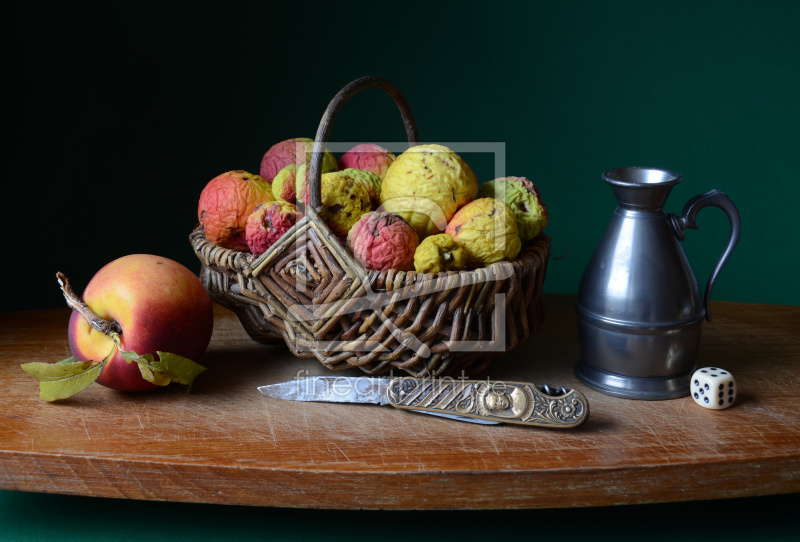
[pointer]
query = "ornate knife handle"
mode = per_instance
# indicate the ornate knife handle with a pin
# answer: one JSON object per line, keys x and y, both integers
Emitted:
{"x": 505, "y": 402}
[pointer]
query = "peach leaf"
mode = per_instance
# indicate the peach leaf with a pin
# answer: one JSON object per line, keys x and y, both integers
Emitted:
{"x": 65, "y": 378}
{"x": 168, "y": 368}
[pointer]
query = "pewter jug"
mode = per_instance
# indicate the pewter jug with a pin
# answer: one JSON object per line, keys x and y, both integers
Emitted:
{"x": 639, "y": 305}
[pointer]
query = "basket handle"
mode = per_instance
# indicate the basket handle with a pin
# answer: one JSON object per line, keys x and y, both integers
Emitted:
{"x": 323, "y": 131}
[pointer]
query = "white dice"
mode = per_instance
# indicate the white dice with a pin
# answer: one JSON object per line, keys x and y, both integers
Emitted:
{"x": 712, "y": 387}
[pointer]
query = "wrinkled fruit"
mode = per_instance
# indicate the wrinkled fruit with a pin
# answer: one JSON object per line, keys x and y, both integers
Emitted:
{"x": 487, "y": 230}
{"x": 383, "y": 241}
{"x": 344, "y": 200}
{"x": 369, "y": 157}
{"x": 428, "y": 172}
{"x": 297, "y": 150}
{"x": 283, "y": 185}
{"x": 268, "y": 223}
{"x": 524, "y": 199}
{"x": 439, "y": 253}
{"x": 371, "y": 182}
{"x": 225, "y": 204}
{"x": 301, "y": 185}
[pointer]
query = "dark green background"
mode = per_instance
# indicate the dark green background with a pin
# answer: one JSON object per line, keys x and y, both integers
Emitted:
{"x": 56, "y": 517}
{"x": 121, "y": 112}
{"x": 128, "y": 109}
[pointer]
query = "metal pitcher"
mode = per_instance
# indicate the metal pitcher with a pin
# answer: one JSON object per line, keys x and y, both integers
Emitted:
{"x": 639, "y": 305}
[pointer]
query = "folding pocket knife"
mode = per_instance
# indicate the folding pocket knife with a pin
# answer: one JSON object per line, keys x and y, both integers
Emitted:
{"x": 476, "y": 401}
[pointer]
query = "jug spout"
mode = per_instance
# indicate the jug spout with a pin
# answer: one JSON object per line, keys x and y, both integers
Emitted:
{"x": 641, "y": 188}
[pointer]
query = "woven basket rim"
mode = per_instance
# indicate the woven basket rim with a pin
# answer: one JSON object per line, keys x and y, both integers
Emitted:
{"x": 245, "y": 259}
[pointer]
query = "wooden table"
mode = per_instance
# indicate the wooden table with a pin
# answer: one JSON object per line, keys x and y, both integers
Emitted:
{"x": 226, "y": 443}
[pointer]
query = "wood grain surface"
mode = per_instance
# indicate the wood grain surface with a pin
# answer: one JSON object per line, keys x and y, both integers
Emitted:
{"x": 226, "y": 443}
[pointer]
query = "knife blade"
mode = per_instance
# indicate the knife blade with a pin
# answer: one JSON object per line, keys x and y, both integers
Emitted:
{"x": 476, "y": 401}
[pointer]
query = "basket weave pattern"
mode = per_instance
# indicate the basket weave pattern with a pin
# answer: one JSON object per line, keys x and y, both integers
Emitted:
{"x": 324, "y": 305}
{"x": 306, "y": 291}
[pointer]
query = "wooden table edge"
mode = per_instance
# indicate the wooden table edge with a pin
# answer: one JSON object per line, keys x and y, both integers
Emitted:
{"x": 399, "y": 490}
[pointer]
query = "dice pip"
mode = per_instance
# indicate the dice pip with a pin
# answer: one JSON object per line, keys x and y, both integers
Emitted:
{"x": 712, "y": 387}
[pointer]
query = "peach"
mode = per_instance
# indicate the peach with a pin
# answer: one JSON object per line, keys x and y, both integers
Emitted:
{"x": 225, "y": 204}
{"x": 158, "y": 304}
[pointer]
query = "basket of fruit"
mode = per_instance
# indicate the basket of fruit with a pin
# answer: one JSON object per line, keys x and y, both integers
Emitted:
{"x": 376, "y": 261}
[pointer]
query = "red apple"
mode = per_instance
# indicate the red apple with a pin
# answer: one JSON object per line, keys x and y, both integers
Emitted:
{"x": 158, "y": 304}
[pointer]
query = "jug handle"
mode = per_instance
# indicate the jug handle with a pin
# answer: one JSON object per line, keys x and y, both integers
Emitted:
{"x": 713, "y": 198}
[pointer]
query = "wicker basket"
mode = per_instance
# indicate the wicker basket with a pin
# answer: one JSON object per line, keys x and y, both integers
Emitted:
{"x": 306, "y": 291}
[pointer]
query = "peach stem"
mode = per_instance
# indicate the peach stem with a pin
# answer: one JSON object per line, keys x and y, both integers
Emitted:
{"x": 109, "y": 327}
